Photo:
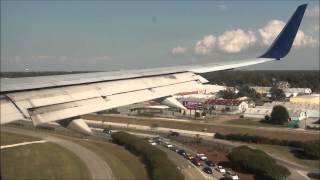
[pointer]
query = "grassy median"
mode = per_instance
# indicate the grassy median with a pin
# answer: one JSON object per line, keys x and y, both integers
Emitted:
{"x": 287, "y": 153}
{"x": 280, "y": 133}
{"x": 39, "y": 161}
{"x": 251, "y": 122}
{"x": 123, "y": 164}
{"x": 11, "y": 138}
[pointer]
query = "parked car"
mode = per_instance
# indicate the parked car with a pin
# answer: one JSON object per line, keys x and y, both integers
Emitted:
{"x": 231, "y": 175}
{"x": 201, "y": 156}
{"x": 153, "y": 143}
{"x": 314, "y": 175}
{"x": 207, "y": 170}
{"x": 175, "y": 149}
{"x": 157, "y": 139}
{"x": 210, "y": 163}
{"x": 181, "y": 152}
{"x": 168, "y": 145}
{"x": 173, "y": 133}
{"x": 220, "y": 169}
{"x": 109, "y": 131}
{"x": 196, "y": 162}
{"x": 188, "y": 156}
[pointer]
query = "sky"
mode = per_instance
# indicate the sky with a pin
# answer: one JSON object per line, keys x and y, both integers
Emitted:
{"x": 116, "y": 35}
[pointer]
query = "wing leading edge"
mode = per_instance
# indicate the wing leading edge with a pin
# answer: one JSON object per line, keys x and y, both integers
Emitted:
{"x": 64, "y": 98}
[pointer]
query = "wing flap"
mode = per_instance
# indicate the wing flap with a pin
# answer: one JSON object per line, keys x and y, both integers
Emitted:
{"x": 9, "y": 112}
{"x": 72, "y": 109}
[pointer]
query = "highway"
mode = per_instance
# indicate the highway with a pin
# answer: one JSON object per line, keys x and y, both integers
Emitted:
{"x": 189, "y": 170}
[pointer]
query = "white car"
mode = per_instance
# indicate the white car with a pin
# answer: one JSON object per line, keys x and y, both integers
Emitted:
{"x": 201, "y": 156}
{"x": 220, "y": 169}
{"x": 169, "y": 145}
{"x": 153, "y": 143}
{"x": 231, "y": 175}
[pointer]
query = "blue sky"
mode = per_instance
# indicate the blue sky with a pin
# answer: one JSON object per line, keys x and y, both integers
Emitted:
{"x": 109, "y": 35}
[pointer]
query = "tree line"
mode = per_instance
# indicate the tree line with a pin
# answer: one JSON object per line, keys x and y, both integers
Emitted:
{"x": 310, "y": 149}
{"x": 258, "y": 162}
{"x": 159, "y": 166}
{"x": 297, "y": 79}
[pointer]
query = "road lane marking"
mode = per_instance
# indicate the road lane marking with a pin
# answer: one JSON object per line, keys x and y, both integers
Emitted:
{"x": 23, "y": 144}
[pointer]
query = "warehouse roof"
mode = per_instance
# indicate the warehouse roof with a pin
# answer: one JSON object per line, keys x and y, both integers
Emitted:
{"x": 226, "y": 102}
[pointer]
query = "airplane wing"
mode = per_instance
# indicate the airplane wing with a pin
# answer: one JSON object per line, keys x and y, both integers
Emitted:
{"x": 64, "y": 98}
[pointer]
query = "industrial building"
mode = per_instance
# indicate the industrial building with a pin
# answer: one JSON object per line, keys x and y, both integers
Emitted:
{"x": 289, "y": 92}
{"x": 261, "y": 111}
{"x": 313, "y": 99}
{"x": 228, "y": 105}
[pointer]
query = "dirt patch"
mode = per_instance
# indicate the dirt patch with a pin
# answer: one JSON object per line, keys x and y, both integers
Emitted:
{"x": 218, "y": 157}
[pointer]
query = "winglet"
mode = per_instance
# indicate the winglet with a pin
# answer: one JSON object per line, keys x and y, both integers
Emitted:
{"x": 283, "y": 43}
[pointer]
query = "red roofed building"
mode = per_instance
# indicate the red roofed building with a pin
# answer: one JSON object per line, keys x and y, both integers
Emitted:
{"x": 232, "y": 105}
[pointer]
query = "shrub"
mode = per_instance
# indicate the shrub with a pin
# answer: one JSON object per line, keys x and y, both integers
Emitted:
{"x": 312, "y": 149}
{"x": 257, "y": 162}
{"x": 279, "y": 115}
{"x": 158, "y": 164}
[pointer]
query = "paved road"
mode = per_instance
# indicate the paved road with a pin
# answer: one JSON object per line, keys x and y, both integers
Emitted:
{"x": 189, "y": 170}
{"x": 97, "y": 168}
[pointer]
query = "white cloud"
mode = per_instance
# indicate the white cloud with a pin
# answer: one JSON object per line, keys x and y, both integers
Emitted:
{"x": 270, "y": 31}
{"x": 236, "y": 40}
{"x": 303, "y": 40}
{"x": 313, "y": 12}
{"x": 179, "y": 50}
{"x": 205, "y": 46}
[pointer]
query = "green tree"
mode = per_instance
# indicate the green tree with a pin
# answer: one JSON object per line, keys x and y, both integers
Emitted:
{"x": 277, "y": 94}
{"x": 227, "y": 94}
{"x": 279, "y": 115}
{"x": 248, "y": 92}
{"x": 257, "y": 162}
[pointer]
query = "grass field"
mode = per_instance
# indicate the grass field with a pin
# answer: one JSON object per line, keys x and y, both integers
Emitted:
{"x": 123, "y": 164}
{"x": 215, "y": 128}
{"x": 39, "y": 161}
{"x": 250, "y": 122}
{"x": 10, "y": 138}
{"x": 285, "y": 152}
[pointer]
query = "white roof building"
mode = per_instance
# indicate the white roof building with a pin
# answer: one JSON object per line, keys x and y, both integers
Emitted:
{"x": 289, "y": 92}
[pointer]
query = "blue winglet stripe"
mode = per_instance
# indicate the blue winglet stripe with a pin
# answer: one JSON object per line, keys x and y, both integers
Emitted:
{"x": 283, "y": 43}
